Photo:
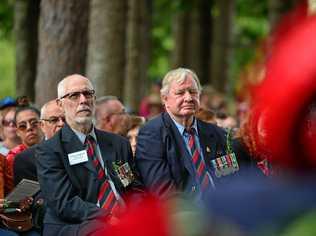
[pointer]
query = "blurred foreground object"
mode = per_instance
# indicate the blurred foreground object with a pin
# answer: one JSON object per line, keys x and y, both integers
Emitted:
{"x": 281, "y": 123}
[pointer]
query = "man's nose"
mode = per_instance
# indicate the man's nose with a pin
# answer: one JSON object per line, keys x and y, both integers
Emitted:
{"x": 82, "y": 98}
{"x": 187, "y": 96}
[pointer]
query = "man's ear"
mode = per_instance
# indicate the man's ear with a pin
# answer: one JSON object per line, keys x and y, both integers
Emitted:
{"x": 58, "y": 102}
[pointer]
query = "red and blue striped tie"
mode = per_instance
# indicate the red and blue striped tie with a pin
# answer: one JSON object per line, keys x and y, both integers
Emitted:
{"x": 106, "y": 196}
{"x": 198, "y": 162}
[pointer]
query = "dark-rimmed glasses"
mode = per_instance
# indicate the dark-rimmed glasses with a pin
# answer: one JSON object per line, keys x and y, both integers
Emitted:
{"x": 22, "y": 126}
{"x": 88, "y": 94}
{"x": 54, "y": 119}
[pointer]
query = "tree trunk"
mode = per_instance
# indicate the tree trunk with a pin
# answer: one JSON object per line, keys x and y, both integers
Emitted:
{"x": 26, "y": 41}
{"x": 222, "y": 44}
{"x": 62, "y": 44}
{"x": 192, "y": 36}
{"x": 180, "y": 36}
{"x": 133, "y": 80}
{"x": 106, "y": 50}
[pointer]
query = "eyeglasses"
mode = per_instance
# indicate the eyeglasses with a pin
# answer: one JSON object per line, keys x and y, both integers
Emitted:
{"x": 119, "y": 113}
{"x": 54, "y": 119}
{"x": 22, "y": 126}
{"x": 8, "y": 123}
{"x": 88, "y": 94}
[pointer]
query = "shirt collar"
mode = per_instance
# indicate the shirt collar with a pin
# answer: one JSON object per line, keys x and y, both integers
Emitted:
{"x": 181, "y": 128}
{"x": 82, "y": 136}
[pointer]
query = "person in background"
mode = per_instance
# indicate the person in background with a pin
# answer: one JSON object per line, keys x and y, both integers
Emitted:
{"x": 8, "y": 130}
{"x": 5, "y": 103}
{"x": 155, "y": 106}
{"x": 206, "y": 115}
{"x": 27, "y": 123}
{"x": 52, "y": 120}
{"x": 135, "y": 123}
{"x": 110, "y": 115}
{"x": 144, "y": 107}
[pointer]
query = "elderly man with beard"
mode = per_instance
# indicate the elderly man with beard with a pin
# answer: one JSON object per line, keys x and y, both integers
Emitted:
{"x": 79, "y": 168}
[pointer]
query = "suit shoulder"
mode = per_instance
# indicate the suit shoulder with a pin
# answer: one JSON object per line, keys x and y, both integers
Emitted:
{"x": 111, "y": 136}
{"x": 211, "y": 128}
{"x": 154, "y": 124}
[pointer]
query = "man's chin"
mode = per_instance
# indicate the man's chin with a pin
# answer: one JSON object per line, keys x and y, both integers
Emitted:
{"x": 84, "y": 120}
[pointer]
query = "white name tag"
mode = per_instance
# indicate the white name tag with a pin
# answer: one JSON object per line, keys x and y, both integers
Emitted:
{"x": 77, "y": 157}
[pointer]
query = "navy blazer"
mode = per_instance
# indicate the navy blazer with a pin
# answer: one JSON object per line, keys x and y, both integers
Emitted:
{"x": 71, "y": 190}
{"x": 164, "y": 162}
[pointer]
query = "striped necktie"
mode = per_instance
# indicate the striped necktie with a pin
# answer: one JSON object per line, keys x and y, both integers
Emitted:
{"x": 198, "y": 162}
{"x": 106, "y": 196}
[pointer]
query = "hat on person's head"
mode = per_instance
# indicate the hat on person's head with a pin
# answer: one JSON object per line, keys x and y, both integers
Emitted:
{"x": 7, "y": 102}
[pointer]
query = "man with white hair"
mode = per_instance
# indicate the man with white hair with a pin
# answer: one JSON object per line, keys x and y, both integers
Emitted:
{"x": 79, "y": 169}
{"x": 178, "y": 153}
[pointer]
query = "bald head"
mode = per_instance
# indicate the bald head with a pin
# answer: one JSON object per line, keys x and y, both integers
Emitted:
{"x": 65, "y": 83}
{"x": 52, "y": 118}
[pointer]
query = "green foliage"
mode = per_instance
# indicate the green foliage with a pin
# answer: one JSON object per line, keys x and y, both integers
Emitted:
{"x": 6, "y": 18}
{"x": 7, "y": 63}
{"x": 251, "y": 27}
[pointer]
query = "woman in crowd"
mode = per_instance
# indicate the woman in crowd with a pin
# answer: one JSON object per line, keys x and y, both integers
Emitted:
{"x": 135, "y": 123}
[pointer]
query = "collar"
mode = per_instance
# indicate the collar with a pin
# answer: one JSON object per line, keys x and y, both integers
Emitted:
{"x": 82, "y": 136}
{"x": 181, "y": 128}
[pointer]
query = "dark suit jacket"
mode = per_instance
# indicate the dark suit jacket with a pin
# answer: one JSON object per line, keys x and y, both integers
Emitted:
{"x": 164, "y": 162}
{"x": 71, "y": 190}
{"x": 24, "y": 166}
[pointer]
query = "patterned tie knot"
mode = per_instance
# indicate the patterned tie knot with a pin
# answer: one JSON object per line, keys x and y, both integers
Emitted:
{"x": 90, "y": 142}
{"x": 191, "y": 131}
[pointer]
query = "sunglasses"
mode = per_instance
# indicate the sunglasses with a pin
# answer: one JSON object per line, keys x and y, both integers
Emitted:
{"x": 54, "y": 119}
{"x": 8, "y": 123}
{"x": 22, "y": 126}
{"x": 88, "y": 94}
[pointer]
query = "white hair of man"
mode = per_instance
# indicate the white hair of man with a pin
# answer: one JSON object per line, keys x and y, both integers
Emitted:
{"x": 178, "y": 75}
{"x": 44, "y": 108}
{"x": 61, "y": 85}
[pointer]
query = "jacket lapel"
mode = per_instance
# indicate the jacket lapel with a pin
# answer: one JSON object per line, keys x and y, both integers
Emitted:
{"x": 208, "y": 142}
{"x": 185, "y": 156}
{"x": 71, "y": 144}
{"x": 109, "y": 157}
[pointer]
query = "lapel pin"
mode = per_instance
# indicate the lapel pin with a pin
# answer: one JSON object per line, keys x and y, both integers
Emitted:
{"x": 208, "y": 149}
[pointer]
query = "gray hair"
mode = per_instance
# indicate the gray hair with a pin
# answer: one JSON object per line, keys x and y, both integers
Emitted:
{"x": 62, "y": 83}
{"x": 44, "y": 107}
{"x": 100, "y": 101}
{"x": 178, "y": 75}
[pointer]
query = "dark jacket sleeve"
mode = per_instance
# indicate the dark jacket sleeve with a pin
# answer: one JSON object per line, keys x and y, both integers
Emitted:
{"x": 151, "y": 161}
{"x": 58, "y": 191}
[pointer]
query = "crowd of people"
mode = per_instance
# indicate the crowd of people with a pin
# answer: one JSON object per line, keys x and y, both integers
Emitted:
{"x": 94, "y": 161}
{"x": 77, "y": 147}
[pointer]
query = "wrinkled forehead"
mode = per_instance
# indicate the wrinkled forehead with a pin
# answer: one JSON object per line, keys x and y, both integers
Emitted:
{"x": 75, "y": 84}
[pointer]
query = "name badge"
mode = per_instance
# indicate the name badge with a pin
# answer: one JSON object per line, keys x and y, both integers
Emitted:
{"x": 77, "y": 157}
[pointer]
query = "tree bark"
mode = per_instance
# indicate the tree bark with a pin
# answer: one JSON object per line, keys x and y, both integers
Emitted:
{"x": 192, "y": 37}
{"x": 62, "y": 44}
{"x": 106, "y": 50}
{"x": 26, "y": 41}
{"x": 133, "y": 80}
{"x": 222, "y": 49}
